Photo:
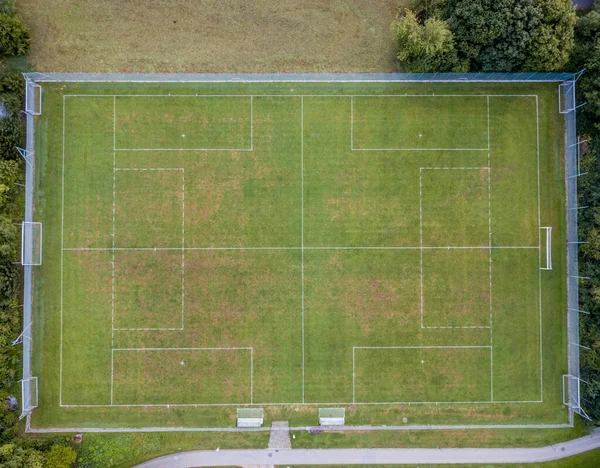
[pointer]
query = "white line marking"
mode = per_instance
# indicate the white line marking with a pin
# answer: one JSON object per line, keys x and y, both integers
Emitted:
{"x": 421, "y": 347}
{"x": 112, "y": 374}
{"x": 182, "y": 247}
{"x": 449, "y": 247}
{"x": 351, "y": 122}
{"x": 490, "y": 250}
{"x": 251, "y": 124}
{"x": 537, "y": 134}
{"x": 488, "y": 123}
{"x": 236, "y": 348}
{"x": 459, "y": 168}
{"x": 419, "y": 149}
{"x": 302, "y": 233}
{"x": 148, "y": 169}
{"x": 329, "y": 403}
{"x": 299, "y": 95}
{"x": 421, "y": 237}
{"x": 353, "y": 377}
{"x": 62, "y": 242}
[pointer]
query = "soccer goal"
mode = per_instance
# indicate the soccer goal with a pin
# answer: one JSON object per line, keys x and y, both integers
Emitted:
{"x": 31, "y": 243}
{"x": 33, "y": 98}
{"x": 566, "y": 97}
{"x": 548, "y": 230}
{"x": 29, "y": 395}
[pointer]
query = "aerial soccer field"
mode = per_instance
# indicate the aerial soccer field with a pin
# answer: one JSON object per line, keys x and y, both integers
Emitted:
{"x": 394, "y": 249}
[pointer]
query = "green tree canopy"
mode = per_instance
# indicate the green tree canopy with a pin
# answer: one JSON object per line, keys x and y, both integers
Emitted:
{"x": 424, "y": 48}
{"x": 512, "y": 35}
{"x": 14, "y": 36}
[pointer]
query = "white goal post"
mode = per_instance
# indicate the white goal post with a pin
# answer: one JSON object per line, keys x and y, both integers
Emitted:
{"x": 33, "y": 98}
{"x": 548, "y": 230}
{"x": 31, "y": 243}
{"x": 29, "y": 395}
{"x": 566, "y": 97}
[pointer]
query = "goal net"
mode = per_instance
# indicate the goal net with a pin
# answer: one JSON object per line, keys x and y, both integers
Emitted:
{"x": 33, "y": 98}
{"x": 566, "y": 97}
{"x": 31, "y": 243}
{"x": 29, "y": 395}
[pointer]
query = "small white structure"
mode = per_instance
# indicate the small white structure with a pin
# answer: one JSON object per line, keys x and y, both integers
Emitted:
{"x": 332, "y": 416}
{"x": 250, "y": 417}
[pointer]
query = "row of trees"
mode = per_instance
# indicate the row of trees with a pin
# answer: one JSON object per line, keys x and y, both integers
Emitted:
{"x": 586, "y": 54}
{"x": 15, "y": 451}
{"x": 485, "y": 35}
{"x": 520, "y": 35}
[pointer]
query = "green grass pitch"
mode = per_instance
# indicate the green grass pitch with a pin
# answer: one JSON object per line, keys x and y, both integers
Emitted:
{"x": 291, "y": 246}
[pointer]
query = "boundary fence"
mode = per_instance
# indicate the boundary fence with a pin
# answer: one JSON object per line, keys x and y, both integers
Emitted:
{"x": 567, "y": 95}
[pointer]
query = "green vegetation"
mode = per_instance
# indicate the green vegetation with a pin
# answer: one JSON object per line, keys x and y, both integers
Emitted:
{"x": 487, "y": 35}
{"x": 361, "y": 175}
{"x": 584, "y": 460}
{"x": 425, "y": 47}
{"x": 587, "y": 55}
{"x": 14, "y": 36}
{"x": 120, "y": 450}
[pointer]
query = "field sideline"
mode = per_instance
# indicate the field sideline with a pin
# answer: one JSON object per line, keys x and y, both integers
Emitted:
{"x": 375, "y": 246}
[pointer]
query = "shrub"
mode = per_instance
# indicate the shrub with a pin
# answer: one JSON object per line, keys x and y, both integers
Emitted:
{"x": 60, "y": 456}
{"x": 7, "y": 7}
{"x": 14, "y": 36}
{"x": 424, "y": 48}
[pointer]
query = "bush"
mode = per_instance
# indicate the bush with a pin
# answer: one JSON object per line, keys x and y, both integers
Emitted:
{"x": 424, "y": 48}
{"x": 7, "y": 7}
{"x": 14, "y": 36}
{"x": 60, "y": 456}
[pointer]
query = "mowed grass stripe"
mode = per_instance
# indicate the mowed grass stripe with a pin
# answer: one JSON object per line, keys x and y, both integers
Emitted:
{"x": 421, "y": 374}
{"x": 88, "y": 162}
{"x": 184, "y": 122}
{"x": 423, "y": 122}
{"x": 182, "y": 376}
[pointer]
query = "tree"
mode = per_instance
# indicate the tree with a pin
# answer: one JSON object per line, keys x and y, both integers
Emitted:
{"x": 553, "y": 41}
{"x": 493, "y": 34}
{"x": 14, "y": 36}
{"x": 424, "y": 48}
{"x": 512, "y": 35}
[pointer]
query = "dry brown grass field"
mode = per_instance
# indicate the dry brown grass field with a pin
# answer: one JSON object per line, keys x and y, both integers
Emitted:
{"x": 211, "y": 36}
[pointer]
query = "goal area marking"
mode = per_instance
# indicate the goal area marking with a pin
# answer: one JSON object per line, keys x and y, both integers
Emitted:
{"x": 302, "y": 247}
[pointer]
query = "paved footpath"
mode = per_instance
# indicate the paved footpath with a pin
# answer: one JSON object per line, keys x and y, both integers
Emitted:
{"x": 375, "y": 456}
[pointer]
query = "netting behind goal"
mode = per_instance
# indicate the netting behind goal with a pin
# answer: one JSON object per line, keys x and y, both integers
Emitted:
{"x": 33, "y": 98}
{"x": 29, "y": 395}
{"x": 31, "y": 243}
{"x": 566, "y": 97}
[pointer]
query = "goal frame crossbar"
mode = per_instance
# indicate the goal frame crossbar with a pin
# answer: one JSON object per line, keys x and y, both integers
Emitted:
{"x": 31, "y": 243}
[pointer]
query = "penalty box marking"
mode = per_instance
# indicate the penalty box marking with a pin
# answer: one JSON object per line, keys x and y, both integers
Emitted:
{"x": 178, "y": 349}
{"x": 182, "y": 248}
{"x": 251, "y": 119}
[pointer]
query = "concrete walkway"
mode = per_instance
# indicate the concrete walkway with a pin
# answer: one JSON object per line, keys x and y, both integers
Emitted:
{"x": 375, "y": 456}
